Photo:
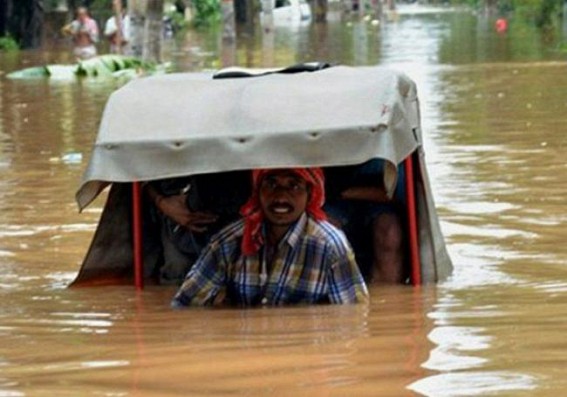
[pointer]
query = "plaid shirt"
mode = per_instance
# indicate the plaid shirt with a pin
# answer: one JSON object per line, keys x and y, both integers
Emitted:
{"x": 314, "y": 263}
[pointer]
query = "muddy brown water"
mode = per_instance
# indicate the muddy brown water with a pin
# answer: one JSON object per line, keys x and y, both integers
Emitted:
{"x": 494, "y": 112}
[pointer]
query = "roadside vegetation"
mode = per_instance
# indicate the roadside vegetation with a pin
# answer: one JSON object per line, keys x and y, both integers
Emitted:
{"x": 207, "y": 12}
{"x": 543, "y": 14}
{"x": 7, "y": 43}
{"x": 543, "y": 18}
{"x": 104, "y": 66}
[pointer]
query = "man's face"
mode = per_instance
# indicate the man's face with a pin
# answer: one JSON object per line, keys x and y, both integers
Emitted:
{"x": 283, "y": 197}
{"x": 82, "y": 14}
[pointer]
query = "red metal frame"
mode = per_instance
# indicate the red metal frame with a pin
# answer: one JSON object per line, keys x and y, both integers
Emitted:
{"x": 412, "y": 223}
{"x": 137, "y": 245}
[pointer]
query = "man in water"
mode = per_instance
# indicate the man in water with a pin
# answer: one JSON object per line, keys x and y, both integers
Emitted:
{"x": 283, "y": 251}
{"x": 117, "y": 29}
{"x": 84, "y": 31}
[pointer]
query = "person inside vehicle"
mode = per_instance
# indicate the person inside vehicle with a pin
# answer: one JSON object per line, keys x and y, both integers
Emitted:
{"x": 359, "y": 205}
{"x": 282, "y": 251}
{"x": 189, "y": 211}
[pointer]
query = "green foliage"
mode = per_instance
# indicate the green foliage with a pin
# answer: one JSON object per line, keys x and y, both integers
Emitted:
{"x": 548, "y": 10}
{"x": 101, "y": 9}
{"x": 50, "y": 5}
{"x": 30, "y": 73}
{"x": 7, "y": 43}
{"x": 207, "y": 12}
{"x": 105, "y": 65}
{"x": 178, "y": 21}
{"x": 102, "y": 66}
{"x": 505, "y": 6}
{"x": 469, "y": 3}
{"x": 540, "y": 12}
{"x": 562, "y": 47}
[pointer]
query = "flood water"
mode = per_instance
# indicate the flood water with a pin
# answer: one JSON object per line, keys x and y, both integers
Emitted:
{"x": 494, "y": 110}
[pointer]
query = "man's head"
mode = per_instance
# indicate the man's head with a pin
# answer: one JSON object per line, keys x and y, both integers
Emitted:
{"x": 120, "y": 5}
{"x": 283, "y": 196}
{"x": 280, "y": 197}
{"x": 82, "y": 14}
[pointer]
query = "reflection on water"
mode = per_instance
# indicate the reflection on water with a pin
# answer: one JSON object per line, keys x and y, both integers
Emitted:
{"x": 494, "y": 109}
{"x": 127, "y": 344}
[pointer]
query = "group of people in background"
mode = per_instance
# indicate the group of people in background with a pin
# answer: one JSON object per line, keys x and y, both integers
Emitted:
{"x": 86, "y": 35}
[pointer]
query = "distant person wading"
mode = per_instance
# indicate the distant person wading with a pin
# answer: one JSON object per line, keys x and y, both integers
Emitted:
{"x": 85, "y": 34}
{"x": 117, "y": 29}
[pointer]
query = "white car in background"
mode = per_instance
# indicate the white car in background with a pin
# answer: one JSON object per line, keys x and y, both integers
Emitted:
{"x": 289, "y": 12}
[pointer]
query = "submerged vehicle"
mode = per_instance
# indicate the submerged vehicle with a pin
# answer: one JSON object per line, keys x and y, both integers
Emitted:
{"x": 175, "y": 125}
{"x": 288, "y": 12}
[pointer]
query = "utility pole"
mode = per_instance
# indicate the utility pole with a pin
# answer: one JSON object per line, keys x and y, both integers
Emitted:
{"x": 4, "y": 17}
{"x": 136, "y": 12}
{"x": 321, "y": 7}
{"x": 146, "y": 29}
{"x": 153, "y": 31}
{"x": 228, "y": 20}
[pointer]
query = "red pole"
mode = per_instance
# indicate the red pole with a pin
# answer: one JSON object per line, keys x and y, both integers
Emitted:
{"x": 412, "y": 223}
{"x": 137, "y": 246}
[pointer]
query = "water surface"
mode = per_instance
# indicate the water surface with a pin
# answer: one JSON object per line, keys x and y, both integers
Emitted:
{"x": 494, "y": 109}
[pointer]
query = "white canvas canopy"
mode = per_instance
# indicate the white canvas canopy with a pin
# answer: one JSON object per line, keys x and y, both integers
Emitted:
{"x": 179, "y": 124}
{"x": 183, "y": 124}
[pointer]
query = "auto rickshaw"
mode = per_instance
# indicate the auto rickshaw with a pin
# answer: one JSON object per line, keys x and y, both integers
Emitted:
{"x": 175, "y": 125}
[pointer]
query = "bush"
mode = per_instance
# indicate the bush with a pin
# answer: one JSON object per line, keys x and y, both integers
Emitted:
{"x": 101, "y": 9}
{"x": 543, "y": 13}
{"x": 177, "y": 20}
{"x": 207, "y": 12}
{"x": 8, "y": 43}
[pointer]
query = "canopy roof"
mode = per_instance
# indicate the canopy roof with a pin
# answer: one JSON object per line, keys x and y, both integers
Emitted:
{"x": 179, "y": 124}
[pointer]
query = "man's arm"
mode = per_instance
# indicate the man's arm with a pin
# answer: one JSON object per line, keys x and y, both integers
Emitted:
{"x": 205, "y": 280}
{"x": 71, "y": 28}
{"x": 175, "y": 208}
{"x": 367, "y": 193}
{"x": 358, "y": 182}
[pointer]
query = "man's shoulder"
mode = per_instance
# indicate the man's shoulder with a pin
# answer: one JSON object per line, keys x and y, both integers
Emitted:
{"x": 327, "y": 234}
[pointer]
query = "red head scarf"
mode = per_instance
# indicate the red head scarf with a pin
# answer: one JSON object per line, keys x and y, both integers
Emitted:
{"x": 253, "y": 240}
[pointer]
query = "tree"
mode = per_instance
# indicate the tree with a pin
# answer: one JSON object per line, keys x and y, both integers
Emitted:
{"x": 153, "y": 31}
{"x": 228, "y": 21}
{"x": 245, "y": 11}
{"x": 146, "y": 28}
{"x": 136, "y": 13}
{"x": 4, "y": 17}
{"x": 23, "y": 20}
{"x": 320, "y": 10}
